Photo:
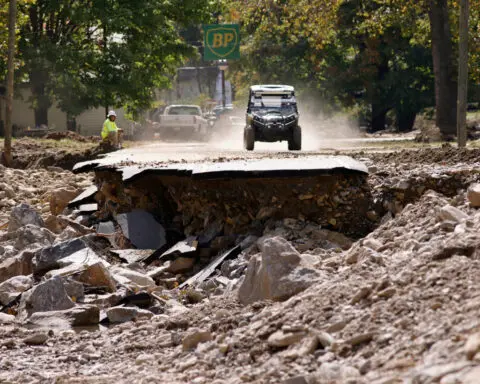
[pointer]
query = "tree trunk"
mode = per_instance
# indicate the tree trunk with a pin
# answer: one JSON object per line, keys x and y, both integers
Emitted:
{"x": 7, "y": 148}
{"x": 444, "y": 68}
{"x": 41, "y": 116}
{"x": 71, "y": 123}
{"x": 379, "y": 117}
{"x": 379, "y": 95}
{"x": 42, "y": 101}
{"x": 462, "y": 75}
{"x": 405, "y": 120}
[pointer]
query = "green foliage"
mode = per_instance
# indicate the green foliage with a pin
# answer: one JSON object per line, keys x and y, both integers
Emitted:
{"x": 366, "y": 55}
{"x": 112, "y": 52}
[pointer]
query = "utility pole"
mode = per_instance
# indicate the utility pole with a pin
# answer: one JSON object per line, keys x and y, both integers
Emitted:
{"x": 7, "y": 148}
{"x": 223, "y": 65}
{"x": 462, "y": 76}
{"x": 223, "y": 88}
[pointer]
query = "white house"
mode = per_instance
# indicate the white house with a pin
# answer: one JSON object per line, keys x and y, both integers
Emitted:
{"x": 88, "y": 123}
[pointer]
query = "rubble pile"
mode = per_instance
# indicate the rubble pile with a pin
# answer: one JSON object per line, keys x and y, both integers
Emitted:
{"x": 46, "y": 190}
{"x": 183, "y": 284}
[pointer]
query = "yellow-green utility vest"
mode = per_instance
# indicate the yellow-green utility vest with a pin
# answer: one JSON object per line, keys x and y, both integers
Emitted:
{"x": 108, "y": 126}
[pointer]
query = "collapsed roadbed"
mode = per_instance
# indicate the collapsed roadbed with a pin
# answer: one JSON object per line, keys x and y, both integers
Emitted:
{"x": 238, "y": 197}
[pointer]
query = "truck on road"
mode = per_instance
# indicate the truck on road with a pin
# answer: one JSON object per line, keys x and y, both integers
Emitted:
{"x": 182, "y": 122}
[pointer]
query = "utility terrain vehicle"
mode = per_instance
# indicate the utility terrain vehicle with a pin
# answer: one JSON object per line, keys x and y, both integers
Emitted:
{"x": 272, "y": 115}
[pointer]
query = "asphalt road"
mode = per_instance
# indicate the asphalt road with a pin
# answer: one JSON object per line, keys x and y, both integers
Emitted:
{"x": 228, "y": 149}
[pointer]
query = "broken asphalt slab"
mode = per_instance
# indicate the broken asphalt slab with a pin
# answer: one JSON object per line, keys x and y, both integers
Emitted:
{"x": 252, "y": 168}
{"x": 142, "y": 229}
{"x": 184, "y": 248}
{"x": 85, "y": 197}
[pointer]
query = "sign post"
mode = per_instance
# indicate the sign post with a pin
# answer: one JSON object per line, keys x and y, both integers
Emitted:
{"x": 221, "y": 42}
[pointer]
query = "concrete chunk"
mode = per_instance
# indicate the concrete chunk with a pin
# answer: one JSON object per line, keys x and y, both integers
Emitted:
{"x": 74, "y": 317}
{"x": 47, "y": 296}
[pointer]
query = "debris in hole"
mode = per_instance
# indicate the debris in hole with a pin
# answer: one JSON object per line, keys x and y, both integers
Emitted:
{"x": 132, "y": 255}
{"x": 185, "y": 248}
{"x": 210, "y": 268}
{"x": 105, "y": 228}
{"x": 142, "y": 229}
{"x": 87, "y": 196}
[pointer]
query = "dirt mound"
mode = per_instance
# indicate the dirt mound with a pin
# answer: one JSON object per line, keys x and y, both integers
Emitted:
{"x": 446, "y": 155}
{"x": 42, "y": 153}
{"x": 72, "y": 136}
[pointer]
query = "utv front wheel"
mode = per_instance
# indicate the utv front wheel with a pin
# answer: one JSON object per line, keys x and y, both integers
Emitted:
{"x": 295, "y": 142}
{"x": 249, "y": 138}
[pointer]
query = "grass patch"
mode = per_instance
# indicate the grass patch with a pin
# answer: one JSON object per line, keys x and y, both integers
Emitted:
{"x": 64, "y": 144}
{"x": 472, "y": 116}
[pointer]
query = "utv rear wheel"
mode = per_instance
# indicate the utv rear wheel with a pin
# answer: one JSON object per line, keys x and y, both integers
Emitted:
{"x": 295, "y": 142}
{"x": 249, "y": 138}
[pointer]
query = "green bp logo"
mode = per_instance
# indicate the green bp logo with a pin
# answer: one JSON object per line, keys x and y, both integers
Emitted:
{"x": 222, "y": 42}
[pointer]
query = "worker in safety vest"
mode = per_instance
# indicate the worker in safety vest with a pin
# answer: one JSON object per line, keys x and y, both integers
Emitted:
{"x": 110, "y": 132}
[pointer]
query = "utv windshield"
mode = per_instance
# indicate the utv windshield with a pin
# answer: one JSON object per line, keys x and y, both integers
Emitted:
{"x": 282, "y": 110}
{"x": 284, "y": 104}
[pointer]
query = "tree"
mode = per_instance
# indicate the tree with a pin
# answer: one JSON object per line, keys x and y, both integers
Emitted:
{"x": 444, "y": 66}
{"x": 7, "y": 154}
{"x": 351, "y": 52}
{"x": 103, "y": 53}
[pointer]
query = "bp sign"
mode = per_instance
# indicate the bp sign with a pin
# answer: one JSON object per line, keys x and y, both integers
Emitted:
{"x": 221, "y": 42}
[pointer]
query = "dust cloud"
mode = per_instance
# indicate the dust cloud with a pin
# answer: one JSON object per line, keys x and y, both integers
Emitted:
{"x": 318, "y": 132}
{"x": 321, "y": 131}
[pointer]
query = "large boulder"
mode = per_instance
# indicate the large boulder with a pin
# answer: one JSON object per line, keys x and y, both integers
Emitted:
{"x": 31, "y": 236}
{"x": 473, "y": 195}
{"x": 60, "y": 198}
{"x": 47, "y": 296}
{"x": 74, "y": 289}
{"x": 77, "y": 263}
{"x": 73, "y": 317}
{"x": 180, "y": 265}
{"x": 97, "y": 275}
{"x": 6, "y": 319}
{"x": 451, "y": 213}
{"x": 22, "y": 215}
{"x": 13, "y": 287}
{"x": 55, "y": 225}
{"x": 17, "y": 265}
{"x": 278, "y": 273}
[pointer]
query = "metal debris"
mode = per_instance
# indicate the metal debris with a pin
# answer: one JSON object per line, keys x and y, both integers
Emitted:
{"x": 206, "y": 272}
